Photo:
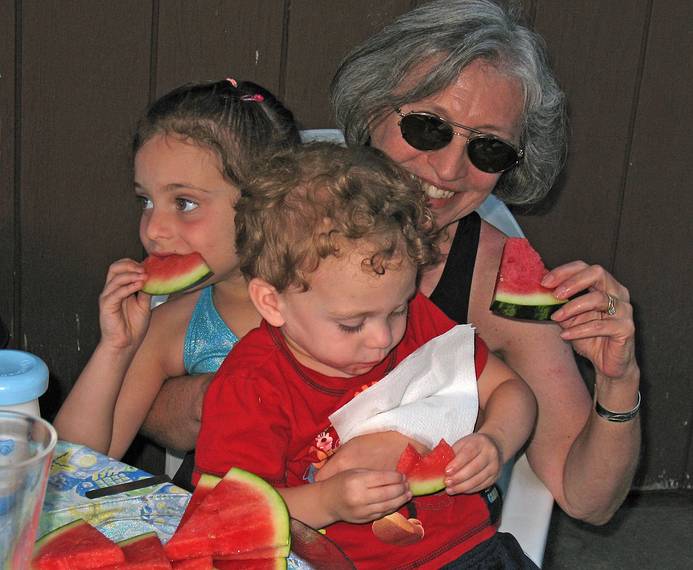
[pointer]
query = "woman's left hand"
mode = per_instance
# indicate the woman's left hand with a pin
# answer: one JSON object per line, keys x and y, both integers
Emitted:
{"x": 599, "y": 323}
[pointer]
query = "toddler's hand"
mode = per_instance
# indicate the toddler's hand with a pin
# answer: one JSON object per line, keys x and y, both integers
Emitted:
{"x": 476, "y": 466}
{"x": 363, "y": 495}
{"x": 379, "y": 451}
{"x": 123, "y": 312}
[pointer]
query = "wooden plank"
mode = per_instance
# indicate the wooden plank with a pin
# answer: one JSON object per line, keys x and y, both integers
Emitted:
{"x": 214, "y": 39}
{"x": 8, "y": 250}
{"x": 596, "y": 54}
{"x": 654, "y": 254}
{"x": 85, "y": 80}
{"x": 320, "y": 35}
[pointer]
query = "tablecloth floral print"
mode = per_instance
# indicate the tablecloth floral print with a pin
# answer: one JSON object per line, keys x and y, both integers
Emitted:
{"x": 77, "y": 469}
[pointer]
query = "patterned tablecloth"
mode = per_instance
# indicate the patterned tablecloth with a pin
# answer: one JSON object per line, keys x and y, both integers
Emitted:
{"x": 77, "y": 469}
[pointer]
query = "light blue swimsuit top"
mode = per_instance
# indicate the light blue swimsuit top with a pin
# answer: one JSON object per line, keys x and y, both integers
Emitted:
{"x": 208, "y": 340}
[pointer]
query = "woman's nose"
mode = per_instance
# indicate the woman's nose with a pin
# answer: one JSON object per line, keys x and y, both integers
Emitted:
{"x": 450, "y": 162}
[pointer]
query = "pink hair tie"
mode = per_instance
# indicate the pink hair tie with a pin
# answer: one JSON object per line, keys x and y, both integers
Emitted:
{"x": 232, "y": 81}
{"x": 256, "y": 98}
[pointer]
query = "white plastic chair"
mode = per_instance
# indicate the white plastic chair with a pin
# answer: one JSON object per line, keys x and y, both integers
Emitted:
{"x": 527, "y": 503}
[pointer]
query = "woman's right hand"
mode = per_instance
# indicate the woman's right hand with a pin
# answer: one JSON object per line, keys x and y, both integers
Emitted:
{"x": 123, "y": 309}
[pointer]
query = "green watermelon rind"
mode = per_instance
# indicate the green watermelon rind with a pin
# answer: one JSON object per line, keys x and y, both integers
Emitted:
{"x": 169, "y": 286}
{"x": 426, "y": 487}
{"x": 525, "y": 311}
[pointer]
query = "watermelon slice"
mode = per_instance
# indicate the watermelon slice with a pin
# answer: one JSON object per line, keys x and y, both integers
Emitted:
{"x": 206, "y": 483}
{"x": 519, "y": 292}
{"x": 241, "y": 514}
{"x": 142, "y": 552}
{"x": 427, "y": 475}
{"x": 173, "y": 273}
{"x": 75, "y": 546}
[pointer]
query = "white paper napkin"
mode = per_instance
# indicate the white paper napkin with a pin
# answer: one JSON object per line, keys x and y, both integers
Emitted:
{"x": 432, "y": 394}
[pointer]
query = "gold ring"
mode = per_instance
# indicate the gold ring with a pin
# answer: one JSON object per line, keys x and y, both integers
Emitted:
{"x": 611, "y": 307}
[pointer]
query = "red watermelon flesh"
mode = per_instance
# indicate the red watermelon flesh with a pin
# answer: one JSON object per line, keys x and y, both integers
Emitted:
{"x": 408, "y": 459}
{"x": 142, "y": 552}
{"x": 203, "y": 563}
{"x": 75, "y": 546}
{"x": 259, "y": 553}
{"x": 519, "y": 292}
{"x": 241, "y": 514}
{"x": 173, "y": 273}
{"x": 264, "y": 564}
{"x": 206, "y": 483}
{"x": 427, "y": 475}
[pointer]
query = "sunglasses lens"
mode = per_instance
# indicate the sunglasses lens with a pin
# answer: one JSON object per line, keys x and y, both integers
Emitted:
{"x": 491, "y": 155}
{"x": 424, "y": 132}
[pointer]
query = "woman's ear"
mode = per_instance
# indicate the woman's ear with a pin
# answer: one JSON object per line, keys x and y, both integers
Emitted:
{"x": 266, "y": 300}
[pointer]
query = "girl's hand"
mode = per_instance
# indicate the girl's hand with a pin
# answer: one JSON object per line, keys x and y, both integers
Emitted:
{"x": 123, "y": 310}
{"x": 363, "y": 495}
{"x": 372, "y": 451}
{"x": 476, "y": 466}
{"x": 608, "y": 340}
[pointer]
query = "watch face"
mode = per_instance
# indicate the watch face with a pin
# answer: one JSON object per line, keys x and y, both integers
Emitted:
{"x": 316, "y": 550}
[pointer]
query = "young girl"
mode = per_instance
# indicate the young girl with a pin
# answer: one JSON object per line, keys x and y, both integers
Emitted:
{"x": 193, "y": 148}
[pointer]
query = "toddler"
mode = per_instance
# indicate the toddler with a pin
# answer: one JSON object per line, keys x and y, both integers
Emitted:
{"x": 332, "y": 241}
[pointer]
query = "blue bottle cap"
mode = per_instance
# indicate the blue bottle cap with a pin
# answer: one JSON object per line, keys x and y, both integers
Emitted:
{"x": 23, "y": 377}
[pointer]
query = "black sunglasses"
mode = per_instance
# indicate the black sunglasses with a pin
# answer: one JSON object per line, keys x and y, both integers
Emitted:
{"x": 488, "y": 153}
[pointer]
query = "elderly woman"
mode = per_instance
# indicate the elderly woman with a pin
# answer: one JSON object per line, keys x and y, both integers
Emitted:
{"x": 461, "y": 95}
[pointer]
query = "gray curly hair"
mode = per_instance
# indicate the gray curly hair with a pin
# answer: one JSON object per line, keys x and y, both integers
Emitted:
{"x": 458, "y": 32}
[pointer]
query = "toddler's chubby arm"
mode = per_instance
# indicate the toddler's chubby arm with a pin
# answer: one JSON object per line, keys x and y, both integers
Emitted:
{"x": 354, "y": 495}
{"x": 509, "y": 412}
{"x": 86, "y": 416}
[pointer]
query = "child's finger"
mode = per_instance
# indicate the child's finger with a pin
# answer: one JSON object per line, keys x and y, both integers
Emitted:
{"x": 116, "y": 292}
{"x": 124, "y": 265}
{"x": 472, "y": 477}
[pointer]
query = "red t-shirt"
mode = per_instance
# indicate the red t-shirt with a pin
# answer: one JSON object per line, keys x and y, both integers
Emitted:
{"x": 268, "y": 414}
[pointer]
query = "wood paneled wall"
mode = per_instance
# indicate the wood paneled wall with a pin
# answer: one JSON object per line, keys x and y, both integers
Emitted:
{"x": 76, "y": 74}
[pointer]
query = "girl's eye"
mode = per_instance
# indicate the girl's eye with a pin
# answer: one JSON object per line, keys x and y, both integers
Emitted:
{"x": 351, "y": 329}
{"x": 185, "y": 205}
{"x": 144, "y": 202}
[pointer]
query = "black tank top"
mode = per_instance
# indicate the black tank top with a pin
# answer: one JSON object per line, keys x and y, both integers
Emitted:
{"x": 451, "y": 294}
